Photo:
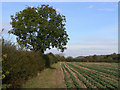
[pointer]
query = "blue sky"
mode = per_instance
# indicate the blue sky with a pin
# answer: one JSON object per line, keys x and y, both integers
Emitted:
{"x": 91, "y": 26}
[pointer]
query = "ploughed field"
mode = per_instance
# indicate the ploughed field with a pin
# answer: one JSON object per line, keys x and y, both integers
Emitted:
{"x": 90, "y": 75}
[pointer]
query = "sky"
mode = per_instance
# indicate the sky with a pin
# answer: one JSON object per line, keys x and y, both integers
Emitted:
{"x": 92, "y": 26}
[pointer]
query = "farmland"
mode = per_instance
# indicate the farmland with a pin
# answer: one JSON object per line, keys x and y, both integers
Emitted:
{"x": 90, "y": 75}
{"x": 77, "y": 75}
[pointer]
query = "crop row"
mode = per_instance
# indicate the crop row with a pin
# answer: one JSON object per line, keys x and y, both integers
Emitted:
{"x": 82, "y": 79}
{"x": 100, "y": 70}
{"x": 73, "y": 78}
{"x": 68, "y": 84}
{"x": 103, "y": 66}
{"x": 86, "y": 76}
{"x": 107, "y": 79}
{"x": 94, "y": 76}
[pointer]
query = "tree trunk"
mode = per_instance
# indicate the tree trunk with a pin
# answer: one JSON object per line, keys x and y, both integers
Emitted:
{"x": 42, "y": 51}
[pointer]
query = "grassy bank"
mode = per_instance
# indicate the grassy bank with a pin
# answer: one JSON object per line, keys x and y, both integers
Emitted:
{"x": 48, "y": 78}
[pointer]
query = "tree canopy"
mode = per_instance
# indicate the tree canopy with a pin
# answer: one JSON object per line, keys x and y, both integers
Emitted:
{"x": 40, "y": 28}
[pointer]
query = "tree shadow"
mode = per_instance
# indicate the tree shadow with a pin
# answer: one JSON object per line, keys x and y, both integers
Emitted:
{"x": 47, "y": 62}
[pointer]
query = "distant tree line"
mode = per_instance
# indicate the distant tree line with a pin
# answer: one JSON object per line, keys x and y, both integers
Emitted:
{"x": 95, "y": 58}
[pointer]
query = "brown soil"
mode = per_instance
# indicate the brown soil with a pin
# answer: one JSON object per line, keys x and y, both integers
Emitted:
{"x": 77, "y": 79}
{"x": 68, "y": 75}
{"x": 59, "y": 79}
{"x": 87, "y": 80}
{"x": 101, "y": 73}
{"x": 110, "y": 70}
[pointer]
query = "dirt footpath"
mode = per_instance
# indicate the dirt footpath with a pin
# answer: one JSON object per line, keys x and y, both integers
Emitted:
{"x": 59, "y": 77}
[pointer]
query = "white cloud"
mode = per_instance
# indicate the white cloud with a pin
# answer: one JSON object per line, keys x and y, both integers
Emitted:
{"x": 78, "y": 50}
{"x": 99, "y": 46}
{"x": 57, "y": 9}
{"x": 100, "y": 40}
{"x": 32, "y": 6}
{"x": 105, "y": 9}
{"x": 91, "y": 6}
{"x": 84, "y": 50}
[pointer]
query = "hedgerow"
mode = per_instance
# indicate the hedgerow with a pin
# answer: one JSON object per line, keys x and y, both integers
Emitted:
{"x": 22, "y": 64}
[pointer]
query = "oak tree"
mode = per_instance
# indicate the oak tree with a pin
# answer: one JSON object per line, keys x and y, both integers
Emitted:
{"x": 40, "y": 28}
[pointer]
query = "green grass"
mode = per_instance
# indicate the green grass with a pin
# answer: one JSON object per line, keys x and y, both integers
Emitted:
{"x": 46, "y": 79}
